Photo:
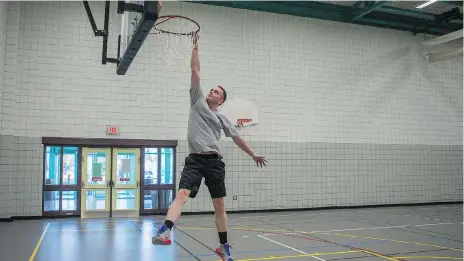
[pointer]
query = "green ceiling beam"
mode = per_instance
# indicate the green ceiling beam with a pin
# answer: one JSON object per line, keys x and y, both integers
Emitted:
{"x": 413, "y": 21}
{"x": 408, "y": 12}
{"x": 455, "y": 3}
{"x": 410, "y": 27}
{"x": 307, "y": 10}
{"x": 368, "y": 9}
{"x": 359, "y": 4}
{"x": 342, "y": 14}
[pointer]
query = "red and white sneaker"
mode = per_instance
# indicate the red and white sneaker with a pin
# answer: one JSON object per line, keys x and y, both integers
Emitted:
{"x": 224, "y": 252}
{"x": 163, "y": 236}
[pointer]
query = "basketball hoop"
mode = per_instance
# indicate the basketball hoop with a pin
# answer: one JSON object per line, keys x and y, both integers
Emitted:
{"x": 240, "y": 122}
{"x": 176, "y": 34}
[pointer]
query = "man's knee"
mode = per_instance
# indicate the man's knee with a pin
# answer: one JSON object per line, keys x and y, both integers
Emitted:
{"x": 182, "y": 195}
{"x": 219, "y": 205}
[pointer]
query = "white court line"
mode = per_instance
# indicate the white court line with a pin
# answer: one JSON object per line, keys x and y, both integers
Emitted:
{"x": 94, "y": 222}
{"x": 325, "y": 213}
{"x": 81, "y": 230}
{"x": 362, "y": 228}
{"x": 299, "y": 251}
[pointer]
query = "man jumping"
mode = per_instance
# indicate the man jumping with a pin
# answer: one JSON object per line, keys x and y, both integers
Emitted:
{"x": 205, "y": 158}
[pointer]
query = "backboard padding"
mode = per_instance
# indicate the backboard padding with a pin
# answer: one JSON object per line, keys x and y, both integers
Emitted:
{"x": 134, "y": 35}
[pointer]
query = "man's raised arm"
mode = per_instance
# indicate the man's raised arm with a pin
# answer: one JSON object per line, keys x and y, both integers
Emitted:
{"x": 195, "y": 64}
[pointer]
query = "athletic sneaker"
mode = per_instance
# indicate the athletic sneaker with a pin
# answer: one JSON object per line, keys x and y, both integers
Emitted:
{"x": 162, "y": 236}
{"x": 224, "y": 252}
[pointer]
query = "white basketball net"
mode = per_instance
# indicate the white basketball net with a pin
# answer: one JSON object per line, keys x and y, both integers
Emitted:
{"x": 176, "y": 36}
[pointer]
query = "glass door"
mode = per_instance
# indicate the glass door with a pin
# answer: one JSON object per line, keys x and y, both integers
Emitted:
{"x": 158, "y": 180}
{"x": 96, "y": 165}
{"x": 126, "y": 182}
{"x": 61, "y": 186}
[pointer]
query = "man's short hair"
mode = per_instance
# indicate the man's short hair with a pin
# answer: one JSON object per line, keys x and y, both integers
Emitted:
{"x": 224, "y": 93}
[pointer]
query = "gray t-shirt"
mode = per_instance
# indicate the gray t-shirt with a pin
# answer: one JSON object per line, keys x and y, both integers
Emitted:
{"x": 204, "y": 126}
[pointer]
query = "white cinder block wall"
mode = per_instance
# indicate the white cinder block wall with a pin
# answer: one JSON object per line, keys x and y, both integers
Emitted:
{"x": 4, "y": 175}
{"x": 349, "y": 115}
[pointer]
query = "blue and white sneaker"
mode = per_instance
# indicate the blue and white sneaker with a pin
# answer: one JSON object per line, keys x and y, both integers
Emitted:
{"x": 224, "y": 252}
{"x": 162, "y": 236}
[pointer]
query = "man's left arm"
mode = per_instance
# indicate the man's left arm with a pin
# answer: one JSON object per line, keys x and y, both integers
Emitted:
{"x": 231, "y": 131}
{"x": 260, "y": 160}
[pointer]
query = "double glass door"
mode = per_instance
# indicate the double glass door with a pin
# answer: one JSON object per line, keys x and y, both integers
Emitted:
{"x": 110, "y": 182}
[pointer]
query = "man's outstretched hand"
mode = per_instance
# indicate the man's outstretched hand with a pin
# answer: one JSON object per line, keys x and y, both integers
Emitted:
{"x": 195, "y": 38}
{"x": 260, "y": 161}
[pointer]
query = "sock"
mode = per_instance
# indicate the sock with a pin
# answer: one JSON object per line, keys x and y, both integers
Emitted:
{"x": 169, "y": 224}
{"x": 222, "y": 237}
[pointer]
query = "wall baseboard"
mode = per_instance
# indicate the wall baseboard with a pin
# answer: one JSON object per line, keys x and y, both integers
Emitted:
{"x": 13, "y": 218}
{"x": 325, "y": 208}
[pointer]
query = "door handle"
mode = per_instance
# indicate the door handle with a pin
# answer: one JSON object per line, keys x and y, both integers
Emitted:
{"x": 138, "y": 184}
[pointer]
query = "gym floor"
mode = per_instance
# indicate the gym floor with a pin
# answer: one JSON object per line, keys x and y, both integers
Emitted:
{"x": 432, "y": 232}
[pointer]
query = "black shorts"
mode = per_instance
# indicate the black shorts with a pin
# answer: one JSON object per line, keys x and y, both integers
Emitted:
{"x": 208, "y": 166}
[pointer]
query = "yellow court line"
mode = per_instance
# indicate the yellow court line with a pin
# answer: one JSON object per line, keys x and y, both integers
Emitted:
{"x": 430, "y": 257}
{"x": 347, "y": 235}
{"x": 235, "y": 228}
{"x": 296, "y": 256}
{"x": 38, "y": 243}
{"x": 394, "y": 240}
{"x": 336, "y": 234}
{"x": 312, "y": 232}
{"x": 378, "y": 255}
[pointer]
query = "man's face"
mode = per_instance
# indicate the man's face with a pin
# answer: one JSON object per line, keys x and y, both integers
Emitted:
{"x": 216, "y": 96}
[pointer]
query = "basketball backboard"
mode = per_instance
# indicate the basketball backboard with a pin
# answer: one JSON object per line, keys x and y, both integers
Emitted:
{"x": 241, "y": 112}
{"x": 445, "y": 47}
{"x": 137, "y": 20}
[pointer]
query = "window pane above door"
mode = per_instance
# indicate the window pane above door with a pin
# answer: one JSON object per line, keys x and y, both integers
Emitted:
{"x": 150, "y": 174}
{"x": 70, "y": 165}
{"x": 167, "y": 166}
{"x": 52, "y": 165}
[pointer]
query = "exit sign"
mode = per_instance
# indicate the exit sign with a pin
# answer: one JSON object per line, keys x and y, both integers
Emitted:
{"x": 112, "y": 130}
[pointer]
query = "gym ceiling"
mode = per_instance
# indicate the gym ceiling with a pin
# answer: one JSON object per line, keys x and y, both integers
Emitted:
{"x": 434, "y": 17}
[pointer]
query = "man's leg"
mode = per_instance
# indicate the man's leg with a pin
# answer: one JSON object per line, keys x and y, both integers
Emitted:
{"x": 221, "y": 219}
{"x": 177, "y": 205}
{"x": 189, "y": 185}
{"x": 214, "y": 173}
{"x": 221, "y": 224}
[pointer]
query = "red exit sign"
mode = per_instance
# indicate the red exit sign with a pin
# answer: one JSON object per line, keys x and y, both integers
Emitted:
{"x": 112, "y": 130}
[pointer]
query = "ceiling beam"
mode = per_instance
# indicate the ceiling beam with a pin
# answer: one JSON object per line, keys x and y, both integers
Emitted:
{"x": 455, "y": 3}
{"x": 409, "y": 27}
{"x": 368, "y": 9}
{"x": 408, "y": 12}
{"x": 414, "y": 21}
{"x": 342, "y": 14}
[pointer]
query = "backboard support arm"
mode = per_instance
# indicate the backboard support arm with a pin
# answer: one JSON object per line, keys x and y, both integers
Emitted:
{"x": 128, "y": 7}
{"x": 104, "y": 33}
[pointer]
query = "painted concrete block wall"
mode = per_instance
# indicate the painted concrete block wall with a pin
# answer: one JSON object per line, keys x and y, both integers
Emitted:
{"x": 9, "y": 151}
{"x": 4, "y": 176}
{"x": 349, "y": 115}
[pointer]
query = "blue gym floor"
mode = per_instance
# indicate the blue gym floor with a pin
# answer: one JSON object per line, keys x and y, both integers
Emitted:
{"x": 433, "y": 232}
